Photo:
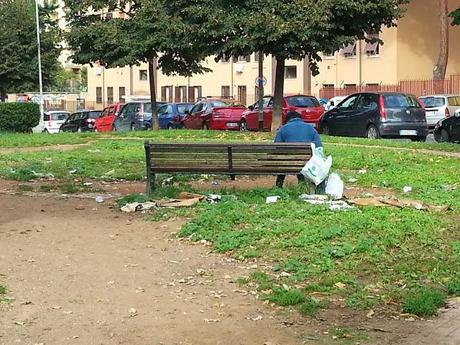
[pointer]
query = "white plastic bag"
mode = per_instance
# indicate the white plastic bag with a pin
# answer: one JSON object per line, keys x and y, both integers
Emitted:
{"x": 317, "y": 168}
{"x": 334, "y": 186}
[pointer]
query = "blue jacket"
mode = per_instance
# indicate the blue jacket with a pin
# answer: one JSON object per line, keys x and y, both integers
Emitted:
{"x": 297, "y": 131}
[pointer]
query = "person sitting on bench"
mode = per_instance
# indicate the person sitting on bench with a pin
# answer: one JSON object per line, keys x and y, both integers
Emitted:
{"x": 296, "y": 131}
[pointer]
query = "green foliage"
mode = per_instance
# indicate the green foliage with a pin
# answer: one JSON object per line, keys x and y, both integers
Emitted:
{"x": 423, "y": 301}
{"x": 455, "y": 17}
{"x": 18, "y": 45}
{"x": 18, "y": 117}
{"x": 283, "y": 297}
{"x": 453, "y": 287}
{"x": 310, "y": 306}
{"x": 65, "y": 80}
{"x": 128, "y": 199}
{"x": 2, "y": 290}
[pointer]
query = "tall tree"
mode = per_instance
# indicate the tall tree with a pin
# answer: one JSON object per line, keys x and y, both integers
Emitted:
{"x": 18, "y": 45}
{"x": 150, "y": 31}
{"x": 455, "y": 15}
{"x": 439, "y": 72}
{"x": 287, "y": 29}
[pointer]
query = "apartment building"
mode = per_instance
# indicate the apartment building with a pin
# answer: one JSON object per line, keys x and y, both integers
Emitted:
{"x": 409, "y": 51}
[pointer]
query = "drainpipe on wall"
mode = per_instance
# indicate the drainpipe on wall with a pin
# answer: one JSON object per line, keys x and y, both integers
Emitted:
{"x": 360, "y": 61}
{"x": 231, "y": 78}
{"x": 103, "y": 87}
{"x": 130, "y": 81}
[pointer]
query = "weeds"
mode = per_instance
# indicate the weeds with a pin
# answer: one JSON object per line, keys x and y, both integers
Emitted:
{"x": 424, "y": 301}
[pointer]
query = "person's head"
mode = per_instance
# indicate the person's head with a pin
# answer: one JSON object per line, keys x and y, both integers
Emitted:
{"x": 292, "y": 115}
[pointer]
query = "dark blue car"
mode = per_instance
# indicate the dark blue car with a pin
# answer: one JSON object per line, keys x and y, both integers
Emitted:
{"x": 170, "y": 115}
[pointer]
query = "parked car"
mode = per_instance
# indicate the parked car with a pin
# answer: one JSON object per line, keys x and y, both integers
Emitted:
{"x": 171, "y": 115}
{"x": 308, "y": 107}
{"x": 135, "y": 116}
{"x": 81, "y": 121}
{"x": 52, "y": 120}
{"x": 216, "y": 114}
{"x": 334, "y": 101}
{"x": 105, "y": 122}
{"x": 375, "y": 115}
{"x": 438, "y": 107}
{"x": 448, "y": 129}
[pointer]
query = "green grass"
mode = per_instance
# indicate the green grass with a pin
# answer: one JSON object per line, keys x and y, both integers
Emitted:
{"x": 372, "y": 252}
{"x": 424, "y": 301}
{"x": 2, "y": 290}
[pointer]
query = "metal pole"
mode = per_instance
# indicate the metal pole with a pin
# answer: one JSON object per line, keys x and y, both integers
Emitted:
{"x": 40, "y": 81}
{"x": 261, "y": 91}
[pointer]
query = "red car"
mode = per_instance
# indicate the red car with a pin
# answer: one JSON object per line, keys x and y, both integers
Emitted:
{"x": 308, "y": 106}
{"x": 105, "y": 122}
{"x": 217, "y": 114}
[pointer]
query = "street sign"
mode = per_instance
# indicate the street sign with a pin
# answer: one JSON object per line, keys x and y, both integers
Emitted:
{"x": 264, "y": 81}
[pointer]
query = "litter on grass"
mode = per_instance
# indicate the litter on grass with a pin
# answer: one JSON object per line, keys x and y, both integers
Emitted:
{"x": 334, "y": 205}
{"x": 272, "y": 199}
{"x": 400, "y": 203}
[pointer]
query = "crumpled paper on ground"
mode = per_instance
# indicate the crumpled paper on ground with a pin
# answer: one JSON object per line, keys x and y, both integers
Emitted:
{"x": 139, "y": 206}
{"x": 395, "y": 202}
{"x": 184, "y": 200}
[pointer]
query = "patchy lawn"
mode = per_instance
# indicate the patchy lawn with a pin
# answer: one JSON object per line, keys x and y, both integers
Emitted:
{"x": 383, "y": 259}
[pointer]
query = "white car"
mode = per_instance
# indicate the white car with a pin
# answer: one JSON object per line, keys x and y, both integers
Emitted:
{"x": 52, "y": 120}
{"x": 438, "y": 107}
{"x": 333, "y": 102}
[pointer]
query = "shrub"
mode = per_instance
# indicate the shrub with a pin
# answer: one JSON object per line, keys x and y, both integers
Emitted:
{"x": 19, "y": 117}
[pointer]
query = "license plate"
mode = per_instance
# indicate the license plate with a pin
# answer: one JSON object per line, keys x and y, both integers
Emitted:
{"x": 408, "y": 132}
{"x": 232, "y": 124}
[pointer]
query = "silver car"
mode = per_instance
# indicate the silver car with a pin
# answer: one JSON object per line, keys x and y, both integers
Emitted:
{"x": 439, "y": 107}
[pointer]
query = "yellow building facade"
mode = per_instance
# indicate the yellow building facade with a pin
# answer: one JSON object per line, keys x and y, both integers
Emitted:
{"x": 410, "y": 51}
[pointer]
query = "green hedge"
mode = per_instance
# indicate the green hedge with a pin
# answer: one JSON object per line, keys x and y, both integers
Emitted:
{"x": 19, "y": 117}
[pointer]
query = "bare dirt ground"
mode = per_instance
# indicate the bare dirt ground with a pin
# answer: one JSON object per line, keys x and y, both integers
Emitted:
{"x": 79, "y": 272}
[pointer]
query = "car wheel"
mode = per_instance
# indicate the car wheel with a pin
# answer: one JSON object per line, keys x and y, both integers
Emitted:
{"x": 205, "y": 126}
{"x": 243, "y": 126}
{"x": 46, "y": 131}
{"x": 325, "y": 129}
{"x": 444, "y": 137}
{"x": 132, "y": 128}
{"x": 114, "y": 128}
{"x": 170, "y": 126}
{"x": 372, "y": 132}
{"x": 419, "y": 139}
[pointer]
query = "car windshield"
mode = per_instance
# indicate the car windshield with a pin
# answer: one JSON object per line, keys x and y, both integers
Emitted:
{"x": 182, "y": 108}
{"x": 433, "y": 102}
{"x": 59, "y": 116}
{"x": 397, "y": 100}
{"x": 217, "y": 104}
{"x": 147, "y": 107}
{"x": 302, "y": 102}
{"x": 94, "y": 114}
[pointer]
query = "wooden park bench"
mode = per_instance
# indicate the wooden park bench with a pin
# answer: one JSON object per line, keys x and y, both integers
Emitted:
{"x": 225, "y": 159}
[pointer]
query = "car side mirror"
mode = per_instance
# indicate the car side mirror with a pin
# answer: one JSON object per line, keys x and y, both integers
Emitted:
{"x": 251, "y": 108}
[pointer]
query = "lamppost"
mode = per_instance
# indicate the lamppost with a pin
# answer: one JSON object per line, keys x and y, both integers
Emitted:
{"x": 40, "y": 81}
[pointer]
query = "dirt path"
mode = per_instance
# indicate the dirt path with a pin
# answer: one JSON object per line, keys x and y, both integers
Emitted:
{"x": 61, "y": 147}
{"x": 83, "y": 273}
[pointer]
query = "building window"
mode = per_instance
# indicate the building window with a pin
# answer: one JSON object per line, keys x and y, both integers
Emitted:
{"x": 242, "y": 58}
{"x": 109, "y": 15}
{"x": 225, "y": 91}
{"x": 225, "y": 59}
{"x": 180, "y": 94}
{"x": 110, "y": 95}
{"x": 256, "y": 57}
{"x": 372, "y": 48}
{"x": 350, "y": 86}
{"x": 328, "y": 86}
{"x": 98, "y": 95}
{"x": 242, "y": 94}
{"x": 121, "y": 94}
{"x": 328, "y": 55}
{"x": 143, "y": 74}
{"x": 349, "y": 50}
{"x": 194, "y": 93}
{"x": 167, "y": 94}
{"x": 290, "y": 72}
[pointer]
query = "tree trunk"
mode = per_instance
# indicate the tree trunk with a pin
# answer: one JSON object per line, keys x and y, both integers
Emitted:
{"x": 2, "y": 96}
{"x": 439, "y": 72}
{"x": 153, "y": 94}
{"x": 279, "y": 93}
